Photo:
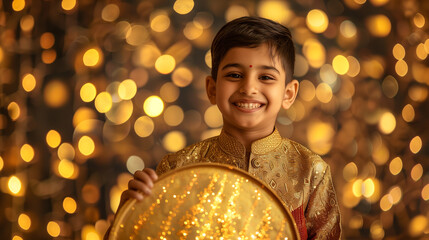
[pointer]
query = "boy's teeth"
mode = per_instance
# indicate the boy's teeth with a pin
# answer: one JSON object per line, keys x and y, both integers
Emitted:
{"x": 248, "y": 105}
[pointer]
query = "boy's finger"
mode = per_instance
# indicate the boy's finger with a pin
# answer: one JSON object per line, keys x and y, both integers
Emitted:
{"x": 143, "y": 177}
{"x": 151, "y": 173}
{"x": 139, "y": 186}
{"x": 130, "y": 194}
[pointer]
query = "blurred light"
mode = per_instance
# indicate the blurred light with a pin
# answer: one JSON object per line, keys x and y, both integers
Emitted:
{"x": 153, "y": 106}
{"x": 53, "y": 138}
{"x": 275, "y": 10}
{"x": 14, "y": 110}
{"x": 47, "y": 40}
{"x": 390, "y": 87}
{"x": 360, "y": 1}
{"x": 90, "y": 193}
{"x": 386, "y": 202}
{"x": 418, "y": 93}
{"x": 173, "y": 115}
{"x": 380, "y": 152}
{"x": 374, "y": 67}
{"x": 18, "y": 5}
{"x": 160, "y": 22}
{"x": 401, "y": 68}
{"x": 320, "y": 136}
{"x": 340, "y": 64}
{"x": 408, "y": 113}
{"x": 417, "y": 172}
{"x": 213, "y": 117}
{"x": 127, "y": 89}
{"x": 235, "y": 11}
{"x": 110, "y": 12}
{"x": 66, "y": 168}
{"x": 398, "y": 51}
{"x": 88, "y": 92}
{"x": 174, "y": 141}
{"x": 49, "y": 56}
{"x": 396, "y": 194}
{"x": 14, "y": 185}
{"x": 205, "y": 19}
{"x": 27, "y": 152}
{"x": 144, "y": 126}
{"x": 317, "y": 21}
{"x": 68, "y": 4}
{"x": 349, "y": 199}
{"x": 27, "y": 23}
{"x": 137, "y": 35}
{"x": 324, "y": 93}
{"x": 1, "y": 55}
{"x": 356, "y": 222}
{"x": 419, "y": 20}
{"x": 1, "y": 163}
{"x": 314, "y": 52}
{"x": 350, "y": 171}
{"x": 376, "y": 229}
{"x": 425, "y": 192}
{"x": 328, "y": 74}
{"x": 368, "y": 188}
{"x": 165, "y": 64}
{"x": 120, "y": 112}
{"x": 83, "y": 114}
{"x": 103, "y": 102}
{"x": 135, "y": 163}
{"x": 207, "y": 59}
{"x": 395, "y": 166}
{"x": 92, "y": 57}
{"x": 379, "y": 2}
{"x": 169, "y": 92}
{"x": 66, "y": 151}
{"x": 89, "y": 233}
{"x": 416, "y": 144}
{"x": 379, "y": 25}
{"x": 148, "y": 54}
{"x": 182, "y": 77}
{"x": 301, "y": 66}
{"x": 357, "y": 187}
{"x": 348, "y": 29}
{"x": 24, "y": 221}
{"x": 86, "y": 145}
{"x": 307, "y": 91}
{"x": 421, "y": 51}
{"x": 183, "y": 6}
{"x": 16, "y": 237}
{"x": 354, "y": 66}
{"x": 55, "y": 94}
{"x": 418, "y": 225}
{"x": 69, "y": 205}
{"x": 28, "y": 82}
{"x": 115, "y": 198}
{"x": 53, "y": 229}
{"x": 387, "y": 123}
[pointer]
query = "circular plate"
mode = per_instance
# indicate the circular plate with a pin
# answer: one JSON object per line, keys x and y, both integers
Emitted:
{"x": 206, "y": 201}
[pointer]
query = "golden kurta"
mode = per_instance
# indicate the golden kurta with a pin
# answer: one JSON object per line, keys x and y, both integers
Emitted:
{"x": 299, "y": 177}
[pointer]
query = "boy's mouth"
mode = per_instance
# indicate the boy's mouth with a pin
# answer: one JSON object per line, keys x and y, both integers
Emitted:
{"x": 248, "y": 105}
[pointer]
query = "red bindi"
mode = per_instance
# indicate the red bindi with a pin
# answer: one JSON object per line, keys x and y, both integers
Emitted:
{"x": 250, "y": 66}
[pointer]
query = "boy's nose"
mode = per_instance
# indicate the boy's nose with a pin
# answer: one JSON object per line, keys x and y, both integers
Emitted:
{"x": 248, "y": 87}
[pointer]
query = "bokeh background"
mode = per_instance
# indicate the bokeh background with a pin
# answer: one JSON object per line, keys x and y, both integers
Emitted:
{"x": 92, "y": 90}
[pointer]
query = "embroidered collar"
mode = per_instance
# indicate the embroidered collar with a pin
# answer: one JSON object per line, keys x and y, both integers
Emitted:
{"x": 233, "y": 147}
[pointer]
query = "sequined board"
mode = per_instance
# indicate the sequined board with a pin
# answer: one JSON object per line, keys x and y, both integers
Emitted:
{"x": 206, "y": 201}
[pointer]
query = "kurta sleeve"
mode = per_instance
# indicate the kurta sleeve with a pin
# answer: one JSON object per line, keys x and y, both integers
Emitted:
{"x": 322, "y": 213}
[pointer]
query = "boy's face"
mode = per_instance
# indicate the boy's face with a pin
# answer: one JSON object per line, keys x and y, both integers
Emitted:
{"x": 250, "y": 89}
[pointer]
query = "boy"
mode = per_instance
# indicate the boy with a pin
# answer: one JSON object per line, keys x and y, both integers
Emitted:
{"x": 251, "y": 79}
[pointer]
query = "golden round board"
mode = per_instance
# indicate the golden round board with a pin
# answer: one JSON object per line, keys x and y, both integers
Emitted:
{"x": 206, "y": 201}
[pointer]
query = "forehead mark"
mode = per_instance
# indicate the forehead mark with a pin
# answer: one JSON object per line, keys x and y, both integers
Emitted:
{"x": 250, "y": 66}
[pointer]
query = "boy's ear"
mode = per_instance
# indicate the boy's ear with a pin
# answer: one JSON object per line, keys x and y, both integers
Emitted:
{"x": 291, "y": 91}
{"x": 211, "y": 89}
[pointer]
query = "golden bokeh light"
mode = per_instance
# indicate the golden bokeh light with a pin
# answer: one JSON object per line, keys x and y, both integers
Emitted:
{"x": 173, "y": 115}
{"x": 401, "y": 68}
{"x": 398, "y": 51}
{"x": 47, "y": 40}
{"x": 86, "y": 145}
{"x": 395, "y": 166}
{"x": 27, "y": 23}
{"x": 324, "y": 93}
{"x": 83, "y": 114}
{"x": 56, "y": 94}
{"x": 368, "y": 188}
{"x": 235, "y": 11}
{"x": 376, "y": 230}
{"x": 14, "y": 110}
{"x": 425, "y": 192}
{"x": 110, "y": 12}
{"x": 350, "y": 172}
{"x": 390, "y": 86}
{"x": 88, "y": 92}
{"x": 24, "y": 221}
{"x": 53, "y": 138}
{"x": 120, "y": 112}
{"x": 103, "y": 102}
{"x": 340, "y": 64}
{"x": 144, "y": 126}
{"x": 66, "y": 151}
{"x": 92, "y": 57}
{"x": 18, "y": 5}
{"x": 408, "y": 113}
{"x": 421, "y": 52}
{"x": 374, "y": 67}
{"x": 416, "y": 144}
{"x": 169, "y": 92}
{"x": 174, "y": 141}
{"x": 357, "y": 187}
{"x": 28, "y": 82}
{"x": 182, "y": 77}
{"x": 379, "y": 2}
{"x": 69, "y": 205}
{"x": 315, "y": 52}
{"x": 127, "y": 89}
{"x": 278, "y": 11}
{"x": 386, "y": 202}
{"x": 317, "y": 21}
{"x": 396, "y": 194}
{"x": 147, "y": 55}
{"x": 1, "y": 163}
{"x": 320, "y": 136}
{"x": 90, "y": 193}
{"x": 418, "y": 93}
{"x": 380, "y": 152}
{"x": 328, "y": 74}
{"x": 160, "y": 21}
{"x": 49, "y": 56}
{"x": 135, "y": 163}
{"x": 417, "y": 172}
{"x": 379, "y": 25}
{"x": 15, "y": 185}
{"x": 419, "y": 20}
{"x": 307, "y": 91}
{"x": 137, "y": 35}
{"x": 387, "y": 123}
{"x": 165, "y": 64}
{"x": 301, "y": 66}
{"x": 348, "y": 29}
{"x": 193, "y": 30}
{"x": 68, "y": 5}
{"x": 183, "y": 6}
{"x": 89, "y": 233}
{"x": 115, "y": 198}
{"x": 66, "y": 168}
{"x": 27, "y": 152}
{"x": 418, "y": 226}
{"x": 153, "y": 106}
{"x": 354, "y": 66}
{"x": 53, "y": 229}
{"x": 213, "y": 117}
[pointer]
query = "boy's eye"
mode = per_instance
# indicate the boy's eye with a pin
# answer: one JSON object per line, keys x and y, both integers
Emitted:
{"x": 233, "y": 75}
{"x": 266, "y": 77}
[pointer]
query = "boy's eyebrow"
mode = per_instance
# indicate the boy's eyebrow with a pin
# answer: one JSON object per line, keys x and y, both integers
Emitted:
{"x": 258, "y": 66}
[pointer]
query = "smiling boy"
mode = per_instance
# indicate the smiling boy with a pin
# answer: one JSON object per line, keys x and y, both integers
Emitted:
{"x": 251, "y": 80}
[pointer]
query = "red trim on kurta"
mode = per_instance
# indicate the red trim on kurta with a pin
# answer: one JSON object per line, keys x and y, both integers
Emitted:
{"x": 298, "y": 215}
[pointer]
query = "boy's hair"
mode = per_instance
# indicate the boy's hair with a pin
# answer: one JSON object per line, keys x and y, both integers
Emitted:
{"x": 252, "y": 32}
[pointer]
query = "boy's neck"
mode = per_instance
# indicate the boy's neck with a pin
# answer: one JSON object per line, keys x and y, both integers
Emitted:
{"x": 246, "y": 137}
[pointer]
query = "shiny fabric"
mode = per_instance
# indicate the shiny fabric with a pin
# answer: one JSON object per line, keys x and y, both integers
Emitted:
{"x": 300, "y": 178}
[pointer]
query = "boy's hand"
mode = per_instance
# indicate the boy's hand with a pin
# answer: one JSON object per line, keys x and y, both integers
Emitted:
{"x": 141, "y": 185}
